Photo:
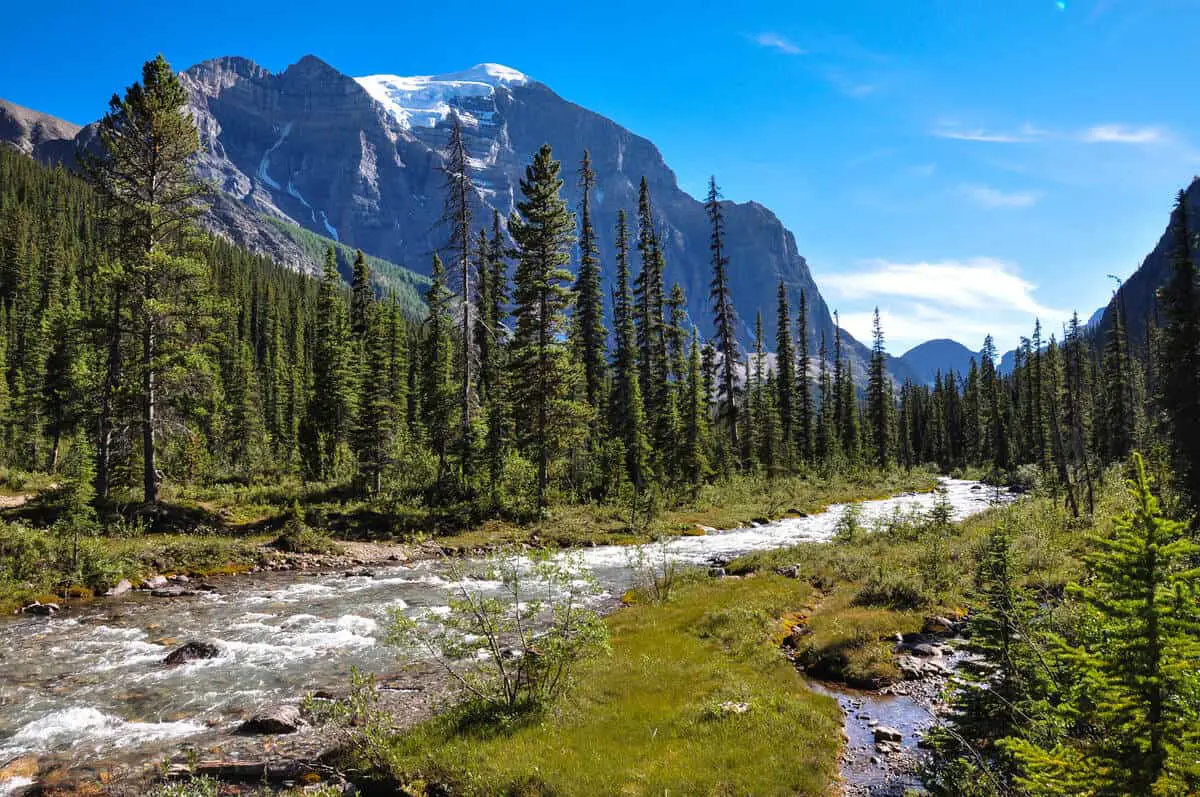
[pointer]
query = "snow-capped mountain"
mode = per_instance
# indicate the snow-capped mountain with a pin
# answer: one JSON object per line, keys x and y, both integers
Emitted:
{"x": 357, "y": 160}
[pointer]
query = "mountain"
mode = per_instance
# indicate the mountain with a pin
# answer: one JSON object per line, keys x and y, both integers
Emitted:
{"x": 932, "y": 356}
{"x": 1138, "y": 293}
{"x": 357, "y": 161}
{"x": 39, "y": 135}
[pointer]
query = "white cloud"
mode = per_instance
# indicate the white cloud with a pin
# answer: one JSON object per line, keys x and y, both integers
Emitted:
{"x": 990, "y": 197}
{"x": 1121, "y": 134}
{"x": 964, "y": 300}
{"x": 776, "y": 42}
{"x": 1025, "y": 134}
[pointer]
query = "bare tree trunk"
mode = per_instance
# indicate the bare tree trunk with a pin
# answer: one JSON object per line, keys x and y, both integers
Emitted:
{"x": 149, "y": 471}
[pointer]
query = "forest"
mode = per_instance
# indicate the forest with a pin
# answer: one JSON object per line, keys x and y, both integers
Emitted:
{"x": 148, "y": 367}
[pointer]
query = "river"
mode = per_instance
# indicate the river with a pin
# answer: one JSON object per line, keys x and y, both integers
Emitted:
{"x": 89, "y": 683}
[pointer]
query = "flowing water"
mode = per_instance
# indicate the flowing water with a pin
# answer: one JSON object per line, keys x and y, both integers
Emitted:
{"x": 93, "y": 682}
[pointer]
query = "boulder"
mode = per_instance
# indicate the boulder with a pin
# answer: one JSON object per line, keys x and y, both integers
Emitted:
{"x": 885, "y": 734}
{"x": 361, "y": 572}
{"x": 274, "y": 720}
{"x": 42, "y": 609}
{"x": 155, "y": 582}
{"x": 926, "y": 650}
{"x": 790, "y": 571}
{"x": 939, "y": 626}
{"x": 121, "y": 588}
{"x": 192, "y": 651}
{"x": 716, "y": 572}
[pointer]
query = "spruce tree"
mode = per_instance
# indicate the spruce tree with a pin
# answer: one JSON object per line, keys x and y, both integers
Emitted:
{"x": 785, "y": 383}
{"x": 437, "y": 370}
{"x": 543, "y": 375}
{"x": 1180, "y": 354}
{"x": 879, "y": 397}
{"x": 805, "y": 414}
{"x": 333, "y": 403}
{"x": 362, "y": 297}
{"x": 626, "y": 408}
{"x": 696, "y": 439}
{"x": 460, "y": 189}
{"x": 588, "y": 329}
{"x": 724, "y": 318}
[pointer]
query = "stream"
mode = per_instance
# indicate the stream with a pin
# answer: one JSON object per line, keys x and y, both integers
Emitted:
{"x": 91, "y": 683}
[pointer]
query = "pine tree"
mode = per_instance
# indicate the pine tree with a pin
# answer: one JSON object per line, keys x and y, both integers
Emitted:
{"x": 362, "y": 297}
{"x": 826, "y": 438}
{"x": 626, "y": 407}
{"x": 460, "y": 188}
{"x": 696, "y": 442}
{"x": 724, "y": 317}
{"x": 785, "y": 383}
{"x": 1136, "y": 663}
{"x": 845, "y": 400}
{"x": 1180, "y": 354}
{"x": 543, "y": 376}
{"x": 436, "y": 370}
{"x": 879, "y": 397}
{"x": 805, "y": 414}
{"x": 146, "y": 179}
{"x": 377, "y": 422}
{"x": 588, "y": 330}
{"x": 332, "y": 406}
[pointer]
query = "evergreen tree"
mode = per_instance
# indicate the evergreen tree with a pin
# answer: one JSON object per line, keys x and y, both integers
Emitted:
{"x": 145, "y": 176}
{"x": 879, "y": 397}
{"x": 696, "y": 442}
{"x": 437, "y": 367}
{"x": 588, "y": 330}
{"x": 460, "y": 188}
{"x": 805, "y": 415}
{"x": 785, "y": 383}
{"x": 332, "y": 406}
{"x": 626, "y": 408}
{"x": 1135, "y": 665}
{"x": 362, "y": 297}
{"x": 543, "y": 375}
{"x": 724, "y": 317}
{"x": 1180, "y": 354}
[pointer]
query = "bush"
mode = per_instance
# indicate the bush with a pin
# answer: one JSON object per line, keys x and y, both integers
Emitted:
{"x": 892, "y": 588}
{"x": 299, "y": 537}
{"x": 517, "y": 651}
{"x": 849, "y": 525}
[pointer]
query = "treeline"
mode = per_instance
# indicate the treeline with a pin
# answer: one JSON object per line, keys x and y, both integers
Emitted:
{"x": 180, "y": 358}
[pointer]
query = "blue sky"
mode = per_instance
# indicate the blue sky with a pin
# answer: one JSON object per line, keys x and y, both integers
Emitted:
{"x": 966, "y": 165}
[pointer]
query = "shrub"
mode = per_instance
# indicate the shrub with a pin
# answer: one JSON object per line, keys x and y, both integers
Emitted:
{"x": 516, "y": 651}
{"x": 299, "y": 537}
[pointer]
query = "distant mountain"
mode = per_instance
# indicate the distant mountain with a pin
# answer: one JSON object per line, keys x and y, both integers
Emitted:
{"x": 934, "y": 356}
{"x": 39, "y": 135}
{"x": 1138, "y": 293}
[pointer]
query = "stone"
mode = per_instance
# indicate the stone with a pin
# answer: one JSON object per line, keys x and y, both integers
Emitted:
{"x": 939, "y": 626}
{"x": 121, "y": 588}
{"x": 274, "y": 720}
{"x": 361, "y": 572}
{"x": 42, "y": 609}
{"x": 790, "y": 571}
{"x": 155, "y": 582}
{"x": 192, "y": 651}
{"x": 179, "y": 579}
{"x": 174, "y": 592}
{"x": 926, "y": 650}
{"x": 716, "y": 572}
{"x": 885, "y": 734}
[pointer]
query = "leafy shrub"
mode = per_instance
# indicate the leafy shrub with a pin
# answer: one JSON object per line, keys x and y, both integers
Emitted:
{"x": 516, "y": 651}
{"x": 849, "y": 525}
{"x": 892, "y": 588}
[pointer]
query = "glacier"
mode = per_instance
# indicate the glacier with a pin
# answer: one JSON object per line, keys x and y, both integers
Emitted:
{"x": 424, "y": 100}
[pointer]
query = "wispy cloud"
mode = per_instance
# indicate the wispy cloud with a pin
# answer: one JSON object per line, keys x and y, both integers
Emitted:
{"x": 990, "y": 197}
{"x": 1122, "y": 134}
{"x": 1022, "y": 135}
{"x": 964, "y": 299}
{"x": 775, "y": 41}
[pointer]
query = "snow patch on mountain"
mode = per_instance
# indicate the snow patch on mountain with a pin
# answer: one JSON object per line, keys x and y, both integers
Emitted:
{"x": 425, "y": 100}
{"x": 265, "y": 163}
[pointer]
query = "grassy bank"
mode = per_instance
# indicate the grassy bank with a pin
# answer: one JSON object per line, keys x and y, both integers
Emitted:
{"x": 227, "y": 528}
{"x": 694, "y": 699}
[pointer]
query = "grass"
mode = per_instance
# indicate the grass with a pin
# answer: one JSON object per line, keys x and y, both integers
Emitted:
{"x": 658, "y": 716}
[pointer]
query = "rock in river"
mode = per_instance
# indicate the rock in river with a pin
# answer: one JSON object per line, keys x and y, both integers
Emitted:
{"x": 192, "y": 651}
{"x": 277, "y": 719}
{"x": 885, "y": 734}
{"x": 42, "y": 609}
